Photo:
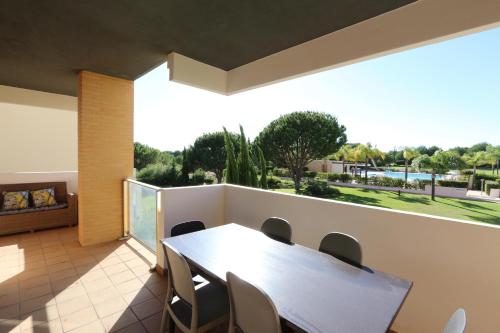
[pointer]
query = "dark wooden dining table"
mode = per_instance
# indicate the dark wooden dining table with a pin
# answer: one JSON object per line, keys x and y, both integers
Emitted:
{"x": 312, "y": 290}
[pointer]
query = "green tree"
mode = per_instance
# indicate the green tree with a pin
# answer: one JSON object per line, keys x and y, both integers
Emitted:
{"x": 358, "y": 155}
{"x": 263, "y": 168}
{"x": 473, "y": 160}
{"x": 408, "y": 154}
{"x": 144, "y": 155}
{"x": 371, "y": 153}
{"x": 244, "y": 167}
{"x": 440, "y": 163}
{"x": 344, "y": 154}
{"x": 493, "y": 157}
{"x": 231, "y": 163}
{"x": 209, "y": 153}
{"x": 185, "y": 168}
{"x": 482, "y": 146}
{"x": 295, "y": 139}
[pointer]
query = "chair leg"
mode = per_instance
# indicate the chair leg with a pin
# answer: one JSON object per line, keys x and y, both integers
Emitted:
{"x": 167, "y": 322}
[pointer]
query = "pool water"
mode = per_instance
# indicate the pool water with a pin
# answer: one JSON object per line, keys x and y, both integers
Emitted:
{"x": 401, "y": 175}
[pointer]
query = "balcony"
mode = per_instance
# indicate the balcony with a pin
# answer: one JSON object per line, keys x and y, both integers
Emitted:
{"x": 447, "y": 260}
{"x": 68, "y": 80}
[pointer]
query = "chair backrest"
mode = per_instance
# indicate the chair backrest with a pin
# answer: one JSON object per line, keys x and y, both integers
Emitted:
{"x": 252, "y": 310}
{"x": 277, "y": 229}
{"x": 186, "y": 228}
{"x": 457, "y": 322}
{"x": 343, "y": 247}
{"x": 180, "y": 275}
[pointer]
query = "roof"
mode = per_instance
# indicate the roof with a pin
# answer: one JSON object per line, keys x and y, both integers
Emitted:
{"x": 44, "y": 44}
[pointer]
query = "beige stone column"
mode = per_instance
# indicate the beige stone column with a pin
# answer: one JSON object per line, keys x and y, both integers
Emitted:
{"x": 105, "y": 154}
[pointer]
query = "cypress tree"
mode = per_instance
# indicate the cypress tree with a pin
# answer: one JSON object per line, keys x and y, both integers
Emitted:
{"x": 231, "y": 165}
{"x": 185, "y": 169}
{"x": 263, "y": 169}
{"x": 244, "y": 161}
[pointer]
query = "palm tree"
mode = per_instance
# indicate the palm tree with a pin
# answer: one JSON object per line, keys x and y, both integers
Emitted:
{"x": 474, "y": 160}
{"x": 408, "y": 155}
{"x": 493, "y": 156}
{"x": 358, "y": 155}
{"x": 344, "y": 154}
{"x": 370, "y": 154}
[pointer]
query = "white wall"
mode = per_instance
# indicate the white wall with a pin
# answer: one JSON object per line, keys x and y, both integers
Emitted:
{"x": 70, "y": 177}
{"x": 452, "y": 263}
{"x": 38, "y": 131}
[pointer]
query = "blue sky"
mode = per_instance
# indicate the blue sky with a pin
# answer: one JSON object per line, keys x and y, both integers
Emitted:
{"x": 445, "y": 94}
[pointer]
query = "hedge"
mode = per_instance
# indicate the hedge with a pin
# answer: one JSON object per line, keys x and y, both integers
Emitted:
{"x": 453, "y": 183}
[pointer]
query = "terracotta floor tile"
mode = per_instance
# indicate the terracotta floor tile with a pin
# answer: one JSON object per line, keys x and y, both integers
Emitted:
{"x": 32, "y": 292}
{"x": 158, "y": 288}
{"x": 110, "y": 306}
{"x": 78, "y": 319}
{"x": 122, "y": 277}
{"x": 36, "y": 303}
{"x": 152, "y": 324}
{"x": 138, "y": 296}
{"x": 39, "y": 318}
{"x": 94, "y": 327}
{"x": 119, "y": 320}
{"x": 70, "y": 293}
{"x": 99, "y": 284}
{"x": 147, "y": 308}
{"x": 134, "y": 328}
{"x": 115, "y": 268}
{"x": 103, "y": 295}
{"x": 65, "y": 283}
{"x": 53, "y": 326}
{"x": 9, "y": 298}
{"x": 63, "y": 274}
{"x": 75, "y": 304}
{"x": 93, "y": 275}
{"x": 9, "y": 312}
{"x": 129, "y": 286}
{"x": 57, "y": 260}
{"x": 35, "y": 281}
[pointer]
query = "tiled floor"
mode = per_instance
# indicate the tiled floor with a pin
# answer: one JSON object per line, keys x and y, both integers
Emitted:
{"x": 49, "y": 283}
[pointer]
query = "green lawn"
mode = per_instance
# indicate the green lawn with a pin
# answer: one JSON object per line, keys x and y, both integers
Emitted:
{"x": 480, "y": 211}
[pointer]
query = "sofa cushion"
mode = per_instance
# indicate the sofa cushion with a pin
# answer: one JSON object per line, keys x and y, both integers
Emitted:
{"x": 32, "y": 210}
{"x": 43, "y": 198}
{"x": 15, "y": 200}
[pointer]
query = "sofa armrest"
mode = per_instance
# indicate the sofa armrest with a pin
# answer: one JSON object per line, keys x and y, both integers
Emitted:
{"x": 72, "y": 199}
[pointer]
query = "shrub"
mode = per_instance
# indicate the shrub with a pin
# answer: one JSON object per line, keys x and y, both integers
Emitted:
{"x": 333, "y": 177}
{"x": 345, "y": 178}
{"x": 198, "y": 177}
{"x": 322, "y": 175}
{"x": 281, "y": 172}
{"x": 159, "y": 174}
{"x": 453, "y": 183}
{"x": 489, "y": 186}
{"x": 467, "y": 172}
{"x": 310, "y": 174}
{"x": 320, "y": 189}
{"x": 273, "y": 183}
{"x": 209, "y": 180}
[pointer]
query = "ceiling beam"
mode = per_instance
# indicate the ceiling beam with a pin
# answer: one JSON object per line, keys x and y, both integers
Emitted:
{"x": 420, "y": 23}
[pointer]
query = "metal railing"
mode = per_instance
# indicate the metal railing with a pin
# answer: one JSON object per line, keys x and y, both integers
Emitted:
{"x": 142, "y": 207}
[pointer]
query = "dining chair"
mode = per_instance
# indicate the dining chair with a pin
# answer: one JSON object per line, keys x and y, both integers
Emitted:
{"x": 191, "y": 309}
{"x": 343, "y": 247}
{"x": 277, "y": 229}
{"x": 186, "y": 228}
{"x": 251, "y": 309}
{"x": 457, "y": 322}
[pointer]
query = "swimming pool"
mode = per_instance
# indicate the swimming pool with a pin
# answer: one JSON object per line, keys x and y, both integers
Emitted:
{"x": 401, "y": 175}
